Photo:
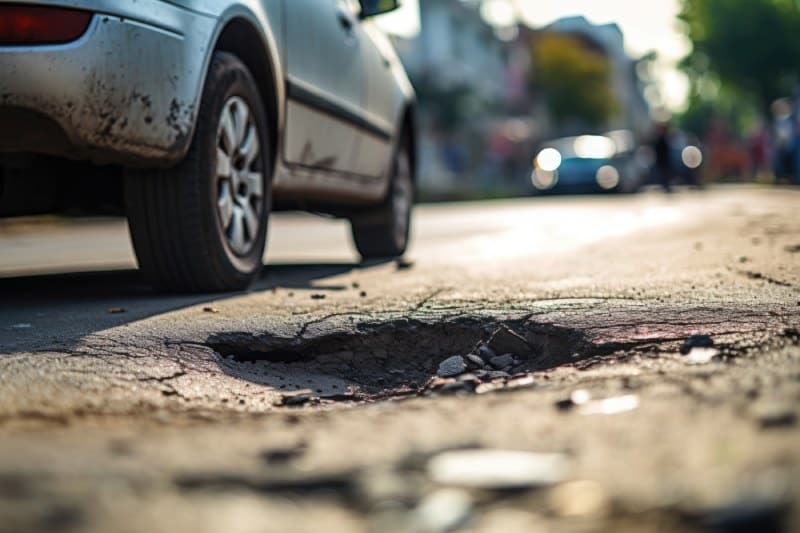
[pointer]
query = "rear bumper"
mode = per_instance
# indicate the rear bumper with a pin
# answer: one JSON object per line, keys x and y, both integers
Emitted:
{"x": 125, "y": 92}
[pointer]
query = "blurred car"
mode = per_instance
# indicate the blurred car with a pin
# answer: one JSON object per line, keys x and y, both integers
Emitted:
{"x": 210, "y": 113}
{"x": 590, "y": 163}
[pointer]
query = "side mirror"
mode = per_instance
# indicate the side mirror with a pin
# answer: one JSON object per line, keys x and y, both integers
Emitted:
{"x": 370, "y": 8}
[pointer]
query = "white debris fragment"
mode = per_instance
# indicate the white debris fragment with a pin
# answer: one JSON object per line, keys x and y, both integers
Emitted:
{"x": 701, "y": 356}
{"x": 610, "y": 406}
{"x": 497, "y": 469}
{"x": 443, "y": 510}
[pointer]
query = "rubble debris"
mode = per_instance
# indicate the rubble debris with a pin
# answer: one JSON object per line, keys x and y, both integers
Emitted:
{"x": 502, "y": 362}
{"x": 486, "y": 353}
{"x": 213, "y": 310}
{"x": 452, "y": 366}
{"x": 474, "y": 361}
{"x": 497, "y": 469}
{"x": 506, "y": 341}
{"x": 457, "y": 387}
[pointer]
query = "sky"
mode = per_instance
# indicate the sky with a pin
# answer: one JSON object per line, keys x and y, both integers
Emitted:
{"x": 646, "y": 24}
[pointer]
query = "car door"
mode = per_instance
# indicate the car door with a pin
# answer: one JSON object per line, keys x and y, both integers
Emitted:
{"x": 325, "y": 84}
{"x": 373, "y": 153}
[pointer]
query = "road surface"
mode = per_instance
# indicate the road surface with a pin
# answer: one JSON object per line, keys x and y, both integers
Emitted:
{"x": 312, "y": 402}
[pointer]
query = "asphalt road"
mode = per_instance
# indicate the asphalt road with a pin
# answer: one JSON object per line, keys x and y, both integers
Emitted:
{"x": 312, "y": 399}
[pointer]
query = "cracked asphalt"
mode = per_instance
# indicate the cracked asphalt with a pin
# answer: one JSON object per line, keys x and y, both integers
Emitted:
{"x": 311, "y": 404}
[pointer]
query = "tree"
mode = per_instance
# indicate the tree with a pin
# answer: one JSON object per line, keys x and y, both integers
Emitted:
{"x": 747, "y": 46}
{"x": 575, "y": 79}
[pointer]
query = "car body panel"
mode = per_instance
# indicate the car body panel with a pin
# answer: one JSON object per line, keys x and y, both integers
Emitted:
{"x": 127, "y": 92}
{"x": 325, "y": 78}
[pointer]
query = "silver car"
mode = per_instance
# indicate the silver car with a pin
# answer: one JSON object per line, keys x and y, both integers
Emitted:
{"x": 197, "y": 118}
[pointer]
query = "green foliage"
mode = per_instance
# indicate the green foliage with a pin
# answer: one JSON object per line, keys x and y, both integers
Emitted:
{"x": 575, "y": 79}
{"x": 750, "y": 46}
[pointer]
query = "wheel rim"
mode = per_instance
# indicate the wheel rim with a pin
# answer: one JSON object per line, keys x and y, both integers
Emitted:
{"x": 240, "y": 177}
{"x": 402, "y": 199}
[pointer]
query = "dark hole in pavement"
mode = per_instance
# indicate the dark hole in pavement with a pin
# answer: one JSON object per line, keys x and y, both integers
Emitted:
{"x": 388, "y": 358}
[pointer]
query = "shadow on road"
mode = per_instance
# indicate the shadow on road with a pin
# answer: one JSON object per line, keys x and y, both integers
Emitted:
{"x": 37, "y": 310}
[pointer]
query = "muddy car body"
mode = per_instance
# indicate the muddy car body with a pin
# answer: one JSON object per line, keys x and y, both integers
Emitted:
{"x": 210, "y": 113}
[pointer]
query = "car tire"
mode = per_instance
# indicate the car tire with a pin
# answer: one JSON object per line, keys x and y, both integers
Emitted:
{"x": 384, "y": 232}
{"x": 201, "y": 226}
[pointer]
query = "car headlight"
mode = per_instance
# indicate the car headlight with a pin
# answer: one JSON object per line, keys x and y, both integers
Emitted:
{"x": 607, "y": 177}
{"x": 548, "y": 160}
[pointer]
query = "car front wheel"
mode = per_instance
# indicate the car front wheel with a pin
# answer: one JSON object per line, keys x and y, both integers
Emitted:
{"x": 201, "y": 225}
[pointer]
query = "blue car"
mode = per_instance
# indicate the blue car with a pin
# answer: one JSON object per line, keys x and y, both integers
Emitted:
{"x": 588, "y": 164}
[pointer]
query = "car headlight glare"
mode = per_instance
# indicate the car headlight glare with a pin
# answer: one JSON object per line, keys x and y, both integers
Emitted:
{"x": 548, "y": 160}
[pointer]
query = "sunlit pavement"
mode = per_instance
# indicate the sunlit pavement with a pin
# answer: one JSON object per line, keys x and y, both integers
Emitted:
{"x": 309, "y": 403}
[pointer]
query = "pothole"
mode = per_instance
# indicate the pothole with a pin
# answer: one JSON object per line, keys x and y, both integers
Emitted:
{"x": 402, "y": 357}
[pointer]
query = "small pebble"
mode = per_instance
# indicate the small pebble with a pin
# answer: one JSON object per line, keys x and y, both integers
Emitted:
{"x": 210, "y": 310}
{"x": 452, "y": 366}
{"x": 486, "y": 353}
{"x": 502, "y": 361}
{"x": 474, "y": 361}
{"x": 116, "y": 310}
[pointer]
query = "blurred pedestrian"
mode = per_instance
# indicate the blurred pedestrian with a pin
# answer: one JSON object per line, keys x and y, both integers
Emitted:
{"x": 662, "y": 150}
{"x": 787, "y": 141}
{"x": 759, "y": 150}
